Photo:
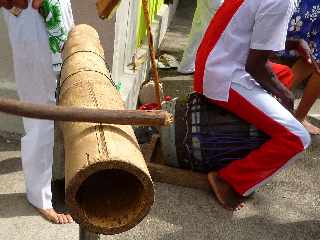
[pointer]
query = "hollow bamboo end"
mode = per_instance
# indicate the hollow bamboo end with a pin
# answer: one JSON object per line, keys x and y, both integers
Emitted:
{"x": 110, "y": 198}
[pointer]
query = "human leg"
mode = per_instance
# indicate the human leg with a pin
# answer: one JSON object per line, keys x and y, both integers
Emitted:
{"x": 301, "y": 71}
{"x": 288, "y": 138}
{"x": 311, "y": 92}
{"x": 310, "y": 95}
{"x": 35, "y": 83}
{"x": 291, "y": 79}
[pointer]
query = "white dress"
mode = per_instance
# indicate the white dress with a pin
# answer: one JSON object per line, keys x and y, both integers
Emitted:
{"x": 204, "y": 12}
{"x": 36, "y": 83}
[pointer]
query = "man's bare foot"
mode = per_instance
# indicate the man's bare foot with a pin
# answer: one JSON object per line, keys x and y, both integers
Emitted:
{"x": 54, "y": 217}
{"x": 312, "y": 129}
{"x": 225, "y": 194}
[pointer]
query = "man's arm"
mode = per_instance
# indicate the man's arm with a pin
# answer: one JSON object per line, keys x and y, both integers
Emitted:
{"x": 302, "y": 47}
{"x": 258, "y": 67}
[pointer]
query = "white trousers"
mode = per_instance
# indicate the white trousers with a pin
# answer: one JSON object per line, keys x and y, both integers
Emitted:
{"x": 204, "y": 12}
{"x": 36, "y": 83}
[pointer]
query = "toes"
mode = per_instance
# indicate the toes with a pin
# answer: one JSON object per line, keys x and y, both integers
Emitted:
{"x": 239, "y": 207}
{"x": 55, "y": 219}
{"x": 62, "y": 219}
{"x": 70, "y": 219}
{"x": 52, "y": 216}
{"x": 65, "y": 218}
{"x": 317, "y": 132}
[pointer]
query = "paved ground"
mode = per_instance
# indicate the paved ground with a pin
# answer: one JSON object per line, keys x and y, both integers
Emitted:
{"x": 288, "y": 208}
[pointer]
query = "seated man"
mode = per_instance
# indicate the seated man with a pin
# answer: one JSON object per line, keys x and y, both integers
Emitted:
{"x": 232, "y": 69}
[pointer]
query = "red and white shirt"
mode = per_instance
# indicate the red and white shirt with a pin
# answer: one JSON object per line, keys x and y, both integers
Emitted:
{"x": 237, "y": 27}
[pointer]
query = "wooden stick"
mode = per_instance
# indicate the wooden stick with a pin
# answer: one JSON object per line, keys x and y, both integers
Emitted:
{"x": 154, "y": 68}
{"x": 179, "y": 177}
{"x": 73, "y": 114}
{"x": 175, "y": 176}
{"x": 148, "y": 149}
{"x": 85, "y": 235}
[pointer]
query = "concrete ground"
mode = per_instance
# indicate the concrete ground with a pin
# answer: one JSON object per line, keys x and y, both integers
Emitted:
{"x": 288, "y": 208}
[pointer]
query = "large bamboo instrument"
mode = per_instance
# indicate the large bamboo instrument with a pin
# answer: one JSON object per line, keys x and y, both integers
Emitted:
{"x": 108, "y": 186}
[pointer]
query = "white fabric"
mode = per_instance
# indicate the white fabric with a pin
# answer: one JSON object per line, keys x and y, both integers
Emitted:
{"x": 271, "y": 25}
{"x": 36, "y": 82}
{"x": 263, "y": 101}
{"x": 257, "y": 24}
{"x": 204, "y": 12}
{"x": 67, "y": 23}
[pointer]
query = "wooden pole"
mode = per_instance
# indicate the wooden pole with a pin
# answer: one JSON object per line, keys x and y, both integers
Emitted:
{"x": 179, "y": 177}
{"x": 170, "y": 175}
{"x": 77, "y": 114}
{"x": 85, "y": 235}
{"x": 154, "y": 68}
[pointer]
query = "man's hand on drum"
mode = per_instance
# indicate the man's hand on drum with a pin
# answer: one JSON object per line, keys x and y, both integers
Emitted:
{"x": 22, "y": 4}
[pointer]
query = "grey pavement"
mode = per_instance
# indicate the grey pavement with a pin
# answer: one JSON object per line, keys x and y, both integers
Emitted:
{"x": 288, "y": 208}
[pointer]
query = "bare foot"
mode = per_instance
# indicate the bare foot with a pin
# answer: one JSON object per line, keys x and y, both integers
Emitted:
{"x": 225, "y": 194}
{"x": 312, "y": 129}
{"x": 54, "y": 217}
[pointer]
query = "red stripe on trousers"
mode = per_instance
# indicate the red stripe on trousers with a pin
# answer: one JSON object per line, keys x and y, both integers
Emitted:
{"x": 283, "y": 145}
{"x": 263, "y": 162}
{"x": 214, "y": 31}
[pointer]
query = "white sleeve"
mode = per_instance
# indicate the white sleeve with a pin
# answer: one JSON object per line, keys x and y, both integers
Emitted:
{"x": 271, "y": 25}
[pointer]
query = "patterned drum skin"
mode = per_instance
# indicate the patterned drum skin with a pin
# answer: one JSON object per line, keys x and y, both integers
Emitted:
{"x": 215, "y": 137}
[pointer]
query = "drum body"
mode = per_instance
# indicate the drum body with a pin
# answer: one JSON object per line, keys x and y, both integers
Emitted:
{"x": 210, "y": 136}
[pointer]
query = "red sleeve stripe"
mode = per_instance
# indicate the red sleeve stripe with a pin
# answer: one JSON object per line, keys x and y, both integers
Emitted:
{"x": 214, "y": 31}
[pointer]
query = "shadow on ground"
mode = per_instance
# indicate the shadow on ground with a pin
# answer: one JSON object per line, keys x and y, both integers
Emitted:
{"x": 304, "y": 230}
{"x": 204, "y": 219}
{"x": 10, "y": 165}
{"x": 15, "y": 205}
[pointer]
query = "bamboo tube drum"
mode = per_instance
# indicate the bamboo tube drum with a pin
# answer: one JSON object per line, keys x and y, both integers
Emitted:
{"x": 108, "y": 187}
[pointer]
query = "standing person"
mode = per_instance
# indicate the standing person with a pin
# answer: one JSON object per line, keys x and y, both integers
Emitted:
{"x": 36, "y": 83}
{"x": 233, "y": 71}
{"x": 305, "y": 25}
{"x": 202, "y": 16}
